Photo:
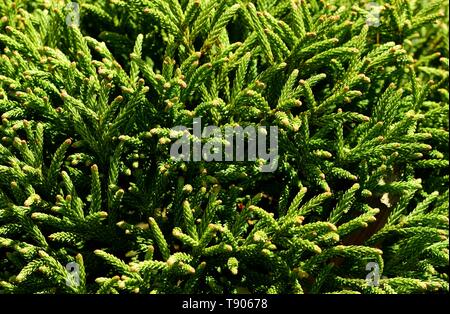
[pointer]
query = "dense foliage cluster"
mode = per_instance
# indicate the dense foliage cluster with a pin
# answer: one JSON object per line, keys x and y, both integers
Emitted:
{"x": 86, "y": 174}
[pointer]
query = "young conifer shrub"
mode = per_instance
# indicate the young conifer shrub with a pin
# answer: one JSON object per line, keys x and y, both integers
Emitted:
{"x": 92, "y": 199}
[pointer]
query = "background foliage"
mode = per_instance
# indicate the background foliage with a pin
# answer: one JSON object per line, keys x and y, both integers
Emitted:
{"x": 86, "y": 175}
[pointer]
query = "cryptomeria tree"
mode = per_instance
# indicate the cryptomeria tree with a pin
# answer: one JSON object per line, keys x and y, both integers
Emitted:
{"x": 90, "y": 93}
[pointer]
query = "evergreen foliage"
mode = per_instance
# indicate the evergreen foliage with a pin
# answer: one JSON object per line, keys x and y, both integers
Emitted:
{"x": 85, "y": 168}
